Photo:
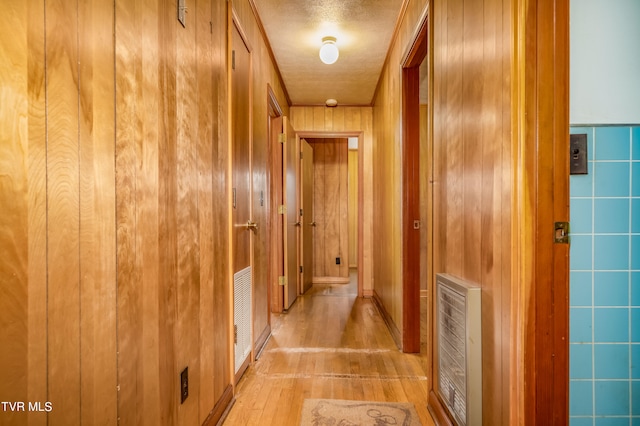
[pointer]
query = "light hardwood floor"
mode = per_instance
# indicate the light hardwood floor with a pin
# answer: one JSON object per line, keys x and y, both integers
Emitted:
{"x": 329, "y": 345}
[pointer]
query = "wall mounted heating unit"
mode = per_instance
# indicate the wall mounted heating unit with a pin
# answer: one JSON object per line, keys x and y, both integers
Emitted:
{"x": 459, "y": 348}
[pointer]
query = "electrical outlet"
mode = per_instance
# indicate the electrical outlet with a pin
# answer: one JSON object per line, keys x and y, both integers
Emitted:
{"x": 184, "y": 384}
{"x": 337, "y": 260}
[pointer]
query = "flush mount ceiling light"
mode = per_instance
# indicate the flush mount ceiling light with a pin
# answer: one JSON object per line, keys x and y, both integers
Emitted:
{"x": 329, "y": 51}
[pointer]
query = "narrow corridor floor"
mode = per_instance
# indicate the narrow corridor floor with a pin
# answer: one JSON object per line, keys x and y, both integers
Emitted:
{"x": 332, "y": 345}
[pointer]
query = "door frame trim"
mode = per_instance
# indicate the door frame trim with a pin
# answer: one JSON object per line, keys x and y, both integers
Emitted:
{"x": 415, "y": 55}
{"x": 275, "y": 232}
{"x": 360, "y": 136}
{"x": 540, "y": 273}
{"x": 274, "y": 111}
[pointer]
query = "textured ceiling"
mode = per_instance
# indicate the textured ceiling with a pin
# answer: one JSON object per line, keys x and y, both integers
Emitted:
{"x": 363, "y": 29}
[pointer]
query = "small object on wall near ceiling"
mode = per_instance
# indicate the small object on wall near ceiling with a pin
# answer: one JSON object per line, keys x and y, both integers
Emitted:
{"x": 331, "y": 103}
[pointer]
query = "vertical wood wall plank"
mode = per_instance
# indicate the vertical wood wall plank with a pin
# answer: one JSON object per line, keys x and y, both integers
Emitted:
{"x": 168, "y": 218}
{"x": 129, "y": 313}
{"x": 205, "y": 142}
{"x": 148, "y": 176}
{"x": 188, "y": 282}
{"x": 63, "y": 210}
{"x": 338, "y": 120}
{"x": 307, "y": 123}
{"x": 319, "y": 209}
{"x": 318, "y": 118}
{"x": 328, "y": 119}
{"x": 331, "y": 226}
{"x": 14, "y": 199}
{"x": 37, "y": 214}
{"x": 472, "y": 141}
{"x": 97, "y": 214}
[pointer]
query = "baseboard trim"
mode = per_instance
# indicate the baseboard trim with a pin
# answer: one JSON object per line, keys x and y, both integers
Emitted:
{"x": 438, "y": 412}
{"x": 393, "y": 328}
{"x": 262, "y": 341}
{"x": 330, "y": 280}
{"x": 221, "y": 408}
{"x": 368, "y": 293}
{"x": 242, "y": 369}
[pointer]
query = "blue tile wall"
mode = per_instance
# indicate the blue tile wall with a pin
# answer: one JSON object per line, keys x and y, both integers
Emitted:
{"x": 604, "y": 363}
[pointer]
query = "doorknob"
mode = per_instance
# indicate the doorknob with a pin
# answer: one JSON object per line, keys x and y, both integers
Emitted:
{"x": 312, "y": 224}
{"x": 252, "y": 226}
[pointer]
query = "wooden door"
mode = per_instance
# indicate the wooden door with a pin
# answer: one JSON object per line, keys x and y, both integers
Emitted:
{"x": 306, "y": 219}
{"x": 290, "y": 216}
{"x": 331, "y": 204}
{"x": 241, "y": 193}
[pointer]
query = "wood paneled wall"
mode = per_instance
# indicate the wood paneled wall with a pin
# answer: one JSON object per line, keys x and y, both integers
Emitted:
{"x": 114, "y": 209}
{"x": 473, "y": 171}
{"x": 330, "y": 207}
{"x": 358, "y": 120}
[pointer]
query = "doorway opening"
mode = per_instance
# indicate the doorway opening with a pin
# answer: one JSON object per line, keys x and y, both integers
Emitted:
{"x": 416, "y": 205}
{"x": 339, "y": 226}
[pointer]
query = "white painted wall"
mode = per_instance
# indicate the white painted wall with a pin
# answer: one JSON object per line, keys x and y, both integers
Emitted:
{"x": 605, "y": 62}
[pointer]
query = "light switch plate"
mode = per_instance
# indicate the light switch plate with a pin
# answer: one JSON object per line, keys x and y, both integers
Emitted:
{"x": 578, "y": 154}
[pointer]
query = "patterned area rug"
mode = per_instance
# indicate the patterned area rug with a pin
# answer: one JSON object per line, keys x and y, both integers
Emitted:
{"x": 338, "y": 412}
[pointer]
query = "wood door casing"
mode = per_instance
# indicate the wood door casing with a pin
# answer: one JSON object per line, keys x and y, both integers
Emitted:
{"x": 308, "y": 225}
{"x": 352, "y": 165}
{"x": 277, "y": 240}
{"x": 290, "y": 216}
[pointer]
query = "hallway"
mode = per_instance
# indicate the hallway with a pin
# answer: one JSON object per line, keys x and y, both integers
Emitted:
{"x": 334, "y": 345}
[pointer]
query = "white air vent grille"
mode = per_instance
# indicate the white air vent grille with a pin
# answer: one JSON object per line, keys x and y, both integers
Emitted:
{"x": 459, "y": 337}
{"x": 242, "y": 315}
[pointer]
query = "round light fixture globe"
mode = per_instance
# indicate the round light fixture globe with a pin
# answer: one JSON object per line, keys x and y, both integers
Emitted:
{"x": 329, "y": 51}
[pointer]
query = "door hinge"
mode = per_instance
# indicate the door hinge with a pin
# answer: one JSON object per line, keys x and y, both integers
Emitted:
{"x": 235, "y": 333}
{"x": 301, "y": 156}
{"x": 233, "y": 59}
{"x": 282, "y": 280}
{"x": 301, "y": 269}
{"x": 282, "y": 138}
{"x": 282, "y": 209}
{"x": 561, "y": 233}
